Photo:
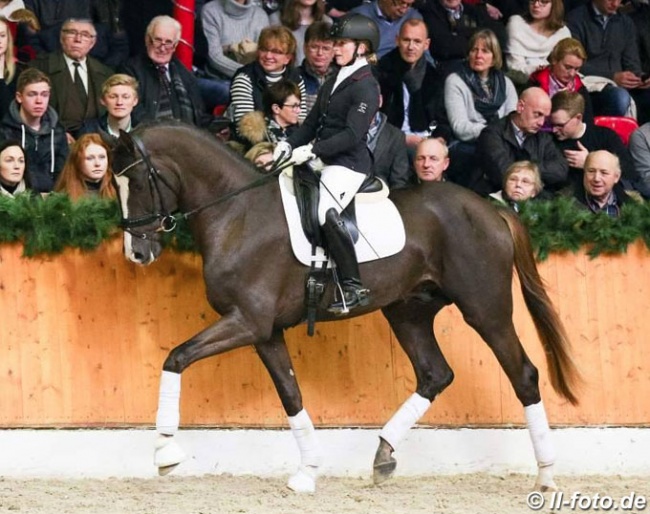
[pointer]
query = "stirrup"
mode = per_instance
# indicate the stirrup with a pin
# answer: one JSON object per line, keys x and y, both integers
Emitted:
{"x": 350, "y": 298}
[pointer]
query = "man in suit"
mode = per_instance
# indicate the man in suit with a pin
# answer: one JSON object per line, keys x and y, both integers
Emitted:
{"x": 76, "y": 77}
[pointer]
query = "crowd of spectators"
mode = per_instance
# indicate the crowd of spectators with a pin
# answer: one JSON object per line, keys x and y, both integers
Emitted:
{"x": 499, "y": 97}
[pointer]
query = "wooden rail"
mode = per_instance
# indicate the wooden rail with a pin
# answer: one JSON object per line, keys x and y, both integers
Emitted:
{"x": 84, "y": 337}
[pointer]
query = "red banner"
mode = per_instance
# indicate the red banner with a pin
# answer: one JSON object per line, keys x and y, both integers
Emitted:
{"x": 184, "y": 12}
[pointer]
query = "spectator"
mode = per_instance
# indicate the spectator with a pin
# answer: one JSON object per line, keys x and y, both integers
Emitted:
{"x": 87, "y": 171}
{"x": 641, "y": 16}
{"x": 517, "y": 137}
{"x": 639, "y": 147}
{"x": 411, "y": 88}
{"x": 136, "y": 17}
{"x": 7, "y": 7}
{"x": 478, "y": 93}
{"x": 119, "y": 96}
{"x": 431, "y": 160}
{"x": 12, "y": 169}
{"x": 229, "y": 25}
{"x": 110, "y": 46}
{"x": 521, "y": 182}
{"x": 275, "y": 54}
{"x": 76, "y": 77}
{"x": 610, "y": 41}
{"x": 33, "y": 122}
{"x": 389, "y": 15}
{"x": 388, "y": 147}
{"x": 261, "y": 155}
{"x": 166, "y": 88}
{"x": 600, "y": 189}
{"x": 531, "y": 37}
{"x": 451, "y": 25}
{"x": 297, "y": 16}
{"x": 8, "y": 67}
{"x": 318, "y": 64}
{"x": 576, "y": 139}
{"x": 561, "y": 74}
{"x": 279, "y": 118}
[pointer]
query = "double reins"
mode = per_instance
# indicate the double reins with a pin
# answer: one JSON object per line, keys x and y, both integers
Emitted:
{"x": 168, "y": 221}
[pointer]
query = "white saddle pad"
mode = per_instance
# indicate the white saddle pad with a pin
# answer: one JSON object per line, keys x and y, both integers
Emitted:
{"x": 381, "y": 230}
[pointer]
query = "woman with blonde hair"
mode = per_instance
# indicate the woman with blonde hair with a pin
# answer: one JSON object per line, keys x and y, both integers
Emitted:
{"x": 7, "y": 66}
{"x": 561, "y": 74}
{"x": 531, "y": 37}
{"x": 87, "y": 170}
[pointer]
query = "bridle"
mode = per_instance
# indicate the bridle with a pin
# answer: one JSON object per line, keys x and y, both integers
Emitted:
{"x": 167, "y": 220}
{"x": 161, "y": 214}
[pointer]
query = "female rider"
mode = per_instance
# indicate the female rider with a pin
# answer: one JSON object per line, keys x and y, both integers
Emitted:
{"x": 338, "y": 125}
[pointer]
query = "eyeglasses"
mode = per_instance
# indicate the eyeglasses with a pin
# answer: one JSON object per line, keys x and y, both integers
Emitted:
{"x": 562, "y": 125}
{"x": 165, "y": 44}
{"x": 540, "y": 2}
{"x": 295, "y": 107}
{"x": 273, "y": 51}
{"x": 322, "y": 49}
{"x": 73, "y": 34}
{"x": 403, "y": 4}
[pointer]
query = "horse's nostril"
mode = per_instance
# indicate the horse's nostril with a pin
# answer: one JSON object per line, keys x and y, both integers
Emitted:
{"x": 138, "y": 256}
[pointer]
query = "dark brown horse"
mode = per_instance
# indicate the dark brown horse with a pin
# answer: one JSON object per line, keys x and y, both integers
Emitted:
{"x": 459, "y": 249}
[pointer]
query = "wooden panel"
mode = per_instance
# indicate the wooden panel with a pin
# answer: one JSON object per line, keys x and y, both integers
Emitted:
{"x": 84, "y": 337}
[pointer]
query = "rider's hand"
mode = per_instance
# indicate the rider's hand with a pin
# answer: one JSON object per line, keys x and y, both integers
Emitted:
{"x": 282, "y": 151}
{"x": 302, "y": 154}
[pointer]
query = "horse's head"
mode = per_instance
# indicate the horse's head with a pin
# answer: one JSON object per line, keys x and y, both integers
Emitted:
{"x": 146, "y": 197}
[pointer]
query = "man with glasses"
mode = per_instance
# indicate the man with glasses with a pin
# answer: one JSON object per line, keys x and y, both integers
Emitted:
{"x": 318, "y": 64}
{"x": 76, "y": 77}
{"x": 166, "y": 88}
{"x": 389, "y": 15}
{"x": 576, "y": 139}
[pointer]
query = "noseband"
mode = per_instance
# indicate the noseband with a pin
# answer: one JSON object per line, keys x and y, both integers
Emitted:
{"x": 162, "y": 214}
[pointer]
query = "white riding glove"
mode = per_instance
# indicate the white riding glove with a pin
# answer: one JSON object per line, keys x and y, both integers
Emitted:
{"x": 302, "y": 154}
{"x": 282, "y": 151}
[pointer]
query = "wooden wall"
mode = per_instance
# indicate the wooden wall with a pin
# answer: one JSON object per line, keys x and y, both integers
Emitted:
{"x": 84, "y": 336}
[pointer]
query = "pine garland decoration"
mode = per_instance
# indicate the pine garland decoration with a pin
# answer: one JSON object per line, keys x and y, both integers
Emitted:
{"x": 49, "y": 225}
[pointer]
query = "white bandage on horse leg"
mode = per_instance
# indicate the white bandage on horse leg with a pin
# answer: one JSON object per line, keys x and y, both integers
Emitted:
{"x": 540, "y": 434}
{"x": 407, "y": 416}
{"x": 305, "y": 433}
{"x": 168, "y": 417}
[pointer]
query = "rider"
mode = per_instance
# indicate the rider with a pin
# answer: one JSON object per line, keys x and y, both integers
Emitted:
{"x": 338, "y": 126}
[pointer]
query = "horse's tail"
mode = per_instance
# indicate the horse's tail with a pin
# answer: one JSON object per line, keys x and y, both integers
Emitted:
{"x": 563, "y": 372}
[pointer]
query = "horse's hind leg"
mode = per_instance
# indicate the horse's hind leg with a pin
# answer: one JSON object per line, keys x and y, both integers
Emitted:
{"x": 276, "y": 358}
{"x": 412, "y": 322}
{"x": 499, "y": 333}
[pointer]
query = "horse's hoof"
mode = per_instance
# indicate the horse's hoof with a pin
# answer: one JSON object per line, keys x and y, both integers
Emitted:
{"x": 384, "y": 471}
{"x": 167, "y": 455}
{"x": 545, "y": 482}
{"x": 303, "y": 481}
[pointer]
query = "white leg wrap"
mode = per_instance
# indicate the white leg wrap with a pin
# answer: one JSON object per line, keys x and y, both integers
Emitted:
{"x": 407, "y": 416}
{"x": 168, "y": 417}
{"x": 540, "y": 434}
{"x": 304, "y": 480}
{"x": 305, "y": 433}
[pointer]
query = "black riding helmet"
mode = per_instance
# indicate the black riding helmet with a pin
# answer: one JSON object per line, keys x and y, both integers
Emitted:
{"x": 358, "y": 28}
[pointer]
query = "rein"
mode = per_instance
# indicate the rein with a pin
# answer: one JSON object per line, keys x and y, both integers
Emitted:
{"x": 168, "y": 221}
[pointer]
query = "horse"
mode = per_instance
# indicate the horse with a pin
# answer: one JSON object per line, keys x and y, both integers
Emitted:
{"x": 459, "y": 249}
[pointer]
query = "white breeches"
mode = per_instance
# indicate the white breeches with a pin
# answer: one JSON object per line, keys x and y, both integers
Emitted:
{"x": 338, "y": 185}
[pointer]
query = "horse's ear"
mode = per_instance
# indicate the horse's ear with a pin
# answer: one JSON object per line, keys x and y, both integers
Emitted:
{"x": 126, "y": 140}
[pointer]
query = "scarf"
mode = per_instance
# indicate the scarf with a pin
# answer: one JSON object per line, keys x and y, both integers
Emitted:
{"x": 486, "y": 104}
{"x": 185, "y": 109}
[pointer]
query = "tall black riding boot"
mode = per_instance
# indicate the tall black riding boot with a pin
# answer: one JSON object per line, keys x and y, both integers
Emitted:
{"x": 341, "y": 249}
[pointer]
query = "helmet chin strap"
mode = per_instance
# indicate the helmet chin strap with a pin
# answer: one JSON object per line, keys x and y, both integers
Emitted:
{"x": 355, "y": 55}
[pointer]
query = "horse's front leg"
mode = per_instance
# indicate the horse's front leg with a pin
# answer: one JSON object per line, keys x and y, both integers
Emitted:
{"x": 226, "y": 334}
{"x": 276, "y": 358}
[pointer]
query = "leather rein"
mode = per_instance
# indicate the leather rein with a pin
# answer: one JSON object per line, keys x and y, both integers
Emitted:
{"x": 167, "y": 220}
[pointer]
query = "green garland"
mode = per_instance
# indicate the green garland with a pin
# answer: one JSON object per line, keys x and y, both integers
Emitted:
{"x": 49, "y": 225}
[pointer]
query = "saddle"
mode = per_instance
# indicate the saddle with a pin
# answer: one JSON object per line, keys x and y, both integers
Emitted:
{"x": 307, "y": 191}
{"x": 372, "y": 219}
